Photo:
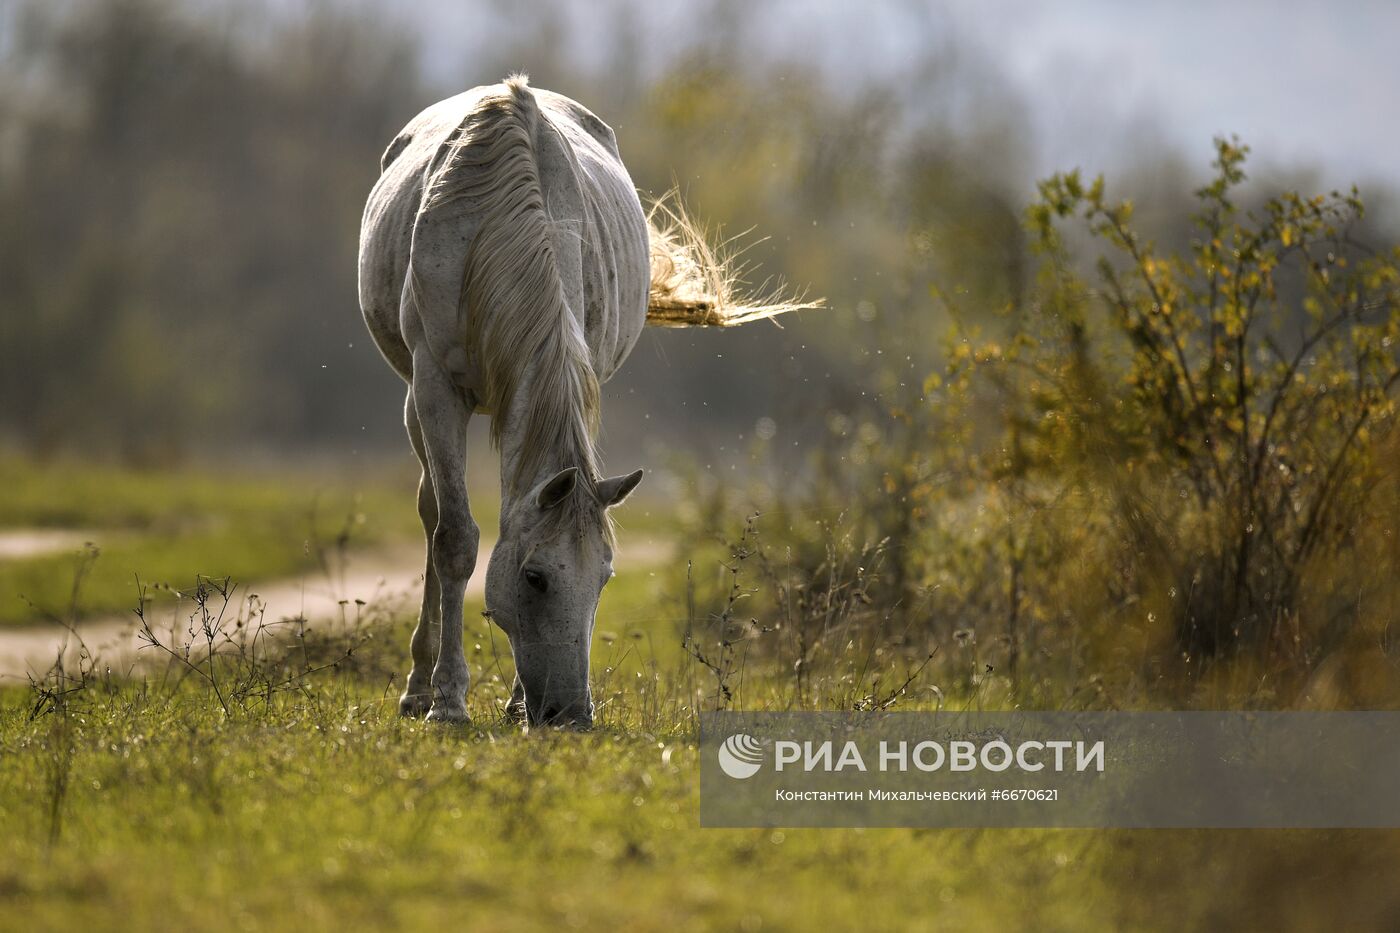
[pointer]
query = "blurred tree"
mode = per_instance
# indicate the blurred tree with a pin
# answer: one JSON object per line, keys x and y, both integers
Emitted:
{"x": 179, "y": 210}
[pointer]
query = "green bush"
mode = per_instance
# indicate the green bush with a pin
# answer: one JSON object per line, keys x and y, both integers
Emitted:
{"x": 1164, "y": 461}
{"x": 1227, "y": 402}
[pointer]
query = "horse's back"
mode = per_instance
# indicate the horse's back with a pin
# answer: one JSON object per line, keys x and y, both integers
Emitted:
{"x": 604, "y": 265}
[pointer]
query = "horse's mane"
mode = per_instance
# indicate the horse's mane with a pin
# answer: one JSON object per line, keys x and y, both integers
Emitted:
{"x": 516, "y": 312}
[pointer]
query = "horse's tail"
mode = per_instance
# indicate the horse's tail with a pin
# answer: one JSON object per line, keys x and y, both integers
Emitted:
{"x": 511, "y": 291}
{"x": 699, "y": 281}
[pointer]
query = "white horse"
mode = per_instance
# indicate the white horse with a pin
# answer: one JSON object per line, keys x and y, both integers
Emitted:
{"x": 505, "y": 268}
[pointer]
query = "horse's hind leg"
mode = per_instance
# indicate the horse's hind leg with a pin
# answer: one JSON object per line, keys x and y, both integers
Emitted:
{"x": 417, "y": 695}
{"x": 443, "y": 412}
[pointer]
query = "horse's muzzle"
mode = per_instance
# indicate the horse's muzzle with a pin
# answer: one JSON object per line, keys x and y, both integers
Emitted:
{"x": 575, "y": 715}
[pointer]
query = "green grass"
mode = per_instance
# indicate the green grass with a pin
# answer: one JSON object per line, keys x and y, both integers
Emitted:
{"x": 167, "y": 527}
{"x": 344, "y": 815}
{"x": 325, "y": 809}
{"x": 144, "y": 805}
{"x": 360, "y": 817}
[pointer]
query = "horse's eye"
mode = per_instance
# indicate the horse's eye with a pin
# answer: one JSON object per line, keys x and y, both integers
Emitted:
{"x": 537, "y": 580}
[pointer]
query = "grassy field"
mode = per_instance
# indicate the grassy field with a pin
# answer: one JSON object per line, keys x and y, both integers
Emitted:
{"x": 282, "y": 791}
{"x": 170, "y": 526}
{"x": 312, "y": 805}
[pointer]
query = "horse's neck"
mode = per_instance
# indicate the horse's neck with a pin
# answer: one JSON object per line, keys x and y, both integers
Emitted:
{"x": 557, "y": 455}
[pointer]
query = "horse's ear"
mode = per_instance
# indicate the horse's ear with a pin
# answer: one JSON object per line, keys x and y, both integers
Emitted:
{"x": 612, "y": 491}
{"x": 557, "y": 489}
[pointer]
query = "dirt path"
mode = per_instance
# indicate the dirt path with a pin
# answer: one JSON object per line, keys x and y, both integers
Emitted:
{"x": 389, "y": 579}
{"x": 18, "y": 543}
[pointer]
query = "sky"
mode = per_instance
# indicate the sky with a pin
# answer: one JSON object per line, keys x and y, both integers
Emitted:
{"x": 1301, "y": 82}
{"x": 1307, "y": 84}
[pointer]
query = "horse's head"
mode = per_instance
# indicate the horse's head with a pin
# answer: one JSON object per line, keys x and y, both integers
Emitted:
{"x": 548, "y": 569}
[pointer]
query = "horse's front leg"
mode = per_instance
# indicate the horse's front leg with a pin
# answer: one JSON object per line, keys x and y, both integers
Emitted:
{"x": 515, "y": 709}
{"x": 443, "y": 412}
{"x": 418, "y": 693}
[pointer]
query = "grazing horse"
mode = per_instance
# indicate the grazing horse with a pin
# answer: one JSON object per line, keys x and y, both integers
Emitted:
{"x": 505, "y": 269}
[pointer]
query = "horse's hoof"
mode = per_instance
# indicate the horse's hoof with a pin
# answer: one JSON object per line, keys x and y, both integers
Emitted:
{"x": 413, "y": 705}
{"x": 448, "y": 714}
